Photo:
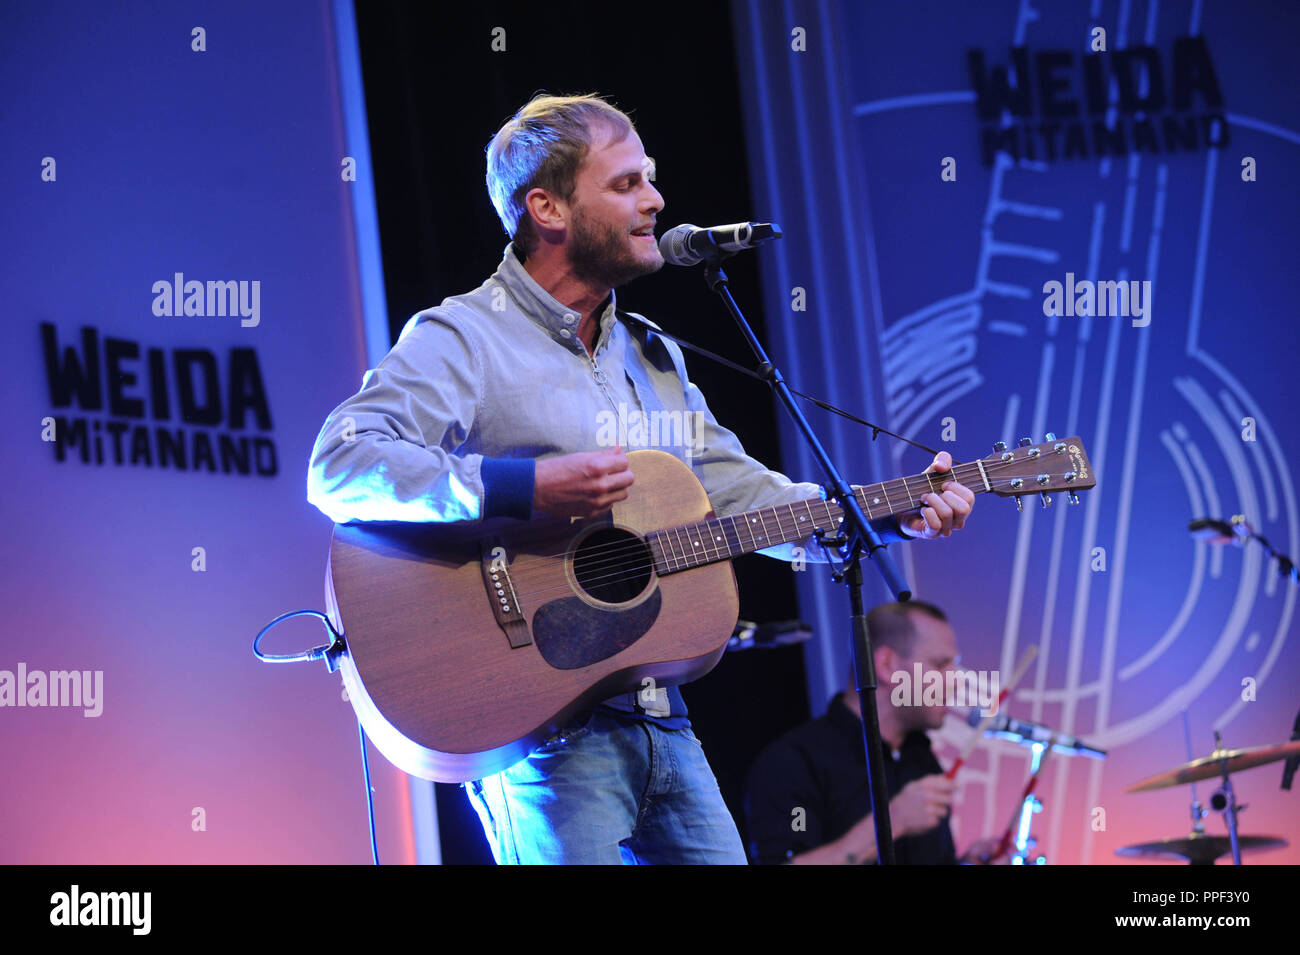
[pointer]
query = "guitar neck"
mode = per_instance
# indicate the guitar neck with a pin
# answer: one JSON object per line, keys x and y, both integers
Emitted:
{"x": 722, "y": 538}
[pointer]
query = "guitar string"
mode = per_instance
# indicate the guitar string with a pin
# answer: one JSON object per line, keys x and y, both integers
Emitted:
{"x": 624, "y": 559}
{"x": 628, "y": 566}
{"x": 618, "y": 549}
{"x": 968, "y": 470}
{"x": 916, "y": 478}
{"x": 617, "y": 554}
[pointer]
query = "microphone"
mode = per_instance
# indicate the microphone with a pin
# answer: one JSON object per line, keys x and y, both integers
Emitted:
{"x": 688, "y": 244}
{"x": 1238, "y": 531}
{"x": 1024, "y": 732}
{"x": 1215, "y": 531}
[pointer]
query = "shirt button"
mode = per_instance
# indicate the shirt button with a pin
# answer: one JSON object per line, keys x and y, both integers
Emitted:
{"x": 570, "y": 318}
{"x": 565, "y": 333}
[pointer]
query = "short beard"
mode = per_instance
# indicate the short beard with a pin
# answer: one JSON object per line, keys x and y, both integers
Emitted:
{"x": 599, "y": 255}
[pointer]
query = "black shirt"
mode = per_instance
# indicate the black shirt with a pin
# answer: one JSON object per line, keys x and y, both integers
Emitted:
{"x": 821, "y": 769}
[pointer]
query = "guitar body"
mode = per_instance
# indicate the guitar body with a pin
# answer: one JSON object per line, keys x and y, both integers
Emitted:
{"x": 468, "y": 645}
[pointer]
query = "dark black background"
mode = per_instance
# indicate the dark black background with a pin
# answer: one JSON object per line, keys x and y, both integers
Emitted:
{"x": 190, "y": 902}
{"x": 436, "y": 92}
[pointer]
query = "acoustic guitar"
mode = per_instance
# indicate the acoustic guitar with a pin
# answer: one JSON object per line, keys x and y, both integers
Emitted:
{"x": 465, "y": 645}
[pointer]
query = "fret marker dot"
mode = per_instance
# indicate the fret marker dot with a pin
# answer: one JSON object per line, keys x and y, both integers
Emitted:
{"x": 875, "y": 500}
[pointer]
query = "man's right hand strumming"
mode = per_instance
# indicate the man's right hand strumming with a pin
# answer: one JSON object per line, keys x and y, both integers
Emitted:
{"x": 581, "y": 484}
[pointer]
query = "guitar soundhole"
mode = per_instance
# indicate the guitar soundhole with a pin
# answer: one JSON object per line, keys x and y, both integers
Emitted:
{"x": 612, "y": 565}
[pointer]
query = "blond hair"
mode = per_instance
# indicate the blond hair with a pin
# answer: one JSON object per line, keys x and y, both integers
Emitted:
{"x": 542, "y": 147}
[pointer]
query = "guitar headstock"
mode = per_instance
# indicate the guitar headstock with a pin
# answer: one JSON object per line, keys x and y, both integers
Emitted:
{"x": 1054, "y": 465}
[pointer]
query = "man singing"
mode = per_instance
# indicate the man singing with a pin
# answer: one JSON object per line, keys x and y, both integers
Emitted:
{"x": 492, "y": 404}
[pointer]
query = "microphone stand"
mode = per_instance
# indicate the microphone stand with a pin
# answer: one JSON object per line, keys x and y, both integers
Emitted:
{"x": 860, "y": 534}
{"x": 1238, "y": 531}
{"x": 1293, "y": 762}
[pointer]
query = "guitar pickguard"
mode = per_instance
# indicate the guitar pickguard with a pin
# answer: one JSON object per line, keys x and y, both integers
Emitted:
{"x": 570, "y": 633}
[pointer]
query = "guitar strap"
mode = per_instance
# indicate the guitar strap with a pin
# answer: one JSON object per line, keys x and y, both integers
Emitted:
{"x": 640, "y": 322}
{"x": 876, "y": 430}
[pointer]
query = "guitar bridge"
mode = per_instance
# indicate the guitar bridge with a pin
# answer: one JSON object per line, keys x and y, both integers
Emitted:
{"x": 502, "y": 594}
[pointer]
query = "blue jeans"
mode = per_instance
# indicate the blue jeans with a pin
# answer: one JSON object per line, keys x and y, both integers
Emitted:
{"x": 609, "y": 791}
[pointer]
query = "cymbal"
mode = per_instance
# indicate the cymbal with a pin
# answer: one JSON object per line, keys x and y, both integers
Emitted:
{"x": 1199, "y": 848}
{"x": 1216, "y": 764}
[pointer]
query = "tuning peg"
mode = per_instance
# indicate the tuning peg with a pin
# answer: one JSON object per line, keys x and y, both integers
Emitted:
{"x": 1072, "y": 497}
{"x": 1026, "y": 442}
{"x": 1049, "y": 436}
{"x": 1047, "y": 499}
{"x": 999, "y": 446}
{"x": 1020, "y": 504}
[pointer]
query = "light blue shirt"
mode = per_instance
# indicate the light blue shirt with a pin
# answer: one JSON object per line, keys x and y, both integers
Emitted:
{"x": 448, "y": 425}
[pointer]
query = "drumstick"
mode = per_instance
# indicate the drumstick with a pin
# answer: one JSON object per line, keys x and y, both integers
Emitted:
{"x": 1026, "y": 658}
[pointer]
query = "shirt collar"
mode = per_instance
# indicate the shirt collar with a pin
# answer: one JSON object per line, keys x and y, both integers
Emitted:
{"x": 560, "y": 321}
{"x": 850, "y": 723}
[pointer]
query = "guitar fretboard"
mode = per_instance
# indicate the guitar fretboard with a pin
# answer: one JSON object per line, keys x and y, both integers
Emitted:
{"x": 722, "y": 538}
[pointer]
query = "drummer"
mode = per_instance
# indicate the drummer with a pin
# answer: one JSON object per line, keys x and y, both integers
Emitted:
{"x": 808, "y": 801}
